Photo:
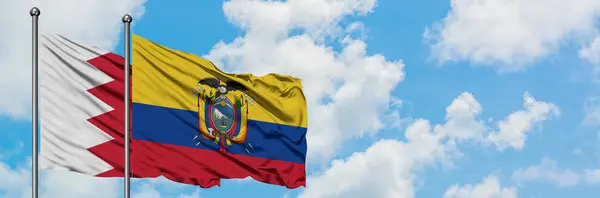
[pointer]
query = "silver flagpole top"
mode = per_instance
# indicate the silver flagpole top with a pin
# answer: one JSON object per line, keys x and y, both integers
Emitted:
{"x": 36, "y": 12}
{"x": 127, "y": 18}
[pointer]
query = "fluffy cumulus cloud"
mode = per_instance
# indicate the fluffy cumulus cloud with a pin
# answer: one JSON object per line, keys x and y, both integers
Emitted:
{"x": 92, "y": 22}
{"x": 387, "y": 168}
{"x": 462, "y": 122}
{"x": 383, "y": 170}
{"x": 510, "y": 32}
{"x": 348, "y": 91}
{"x": 512, "y": 130}
{"x": 547, "y": 171}
{"x": 488, "y": 188}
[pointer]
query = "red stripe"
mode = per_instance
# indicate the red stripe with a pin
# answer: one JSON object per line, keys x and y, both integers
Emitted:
{"x": 205, "y": 167}
{"x": 181, "y": 164}
{"x": 186, "y": 163}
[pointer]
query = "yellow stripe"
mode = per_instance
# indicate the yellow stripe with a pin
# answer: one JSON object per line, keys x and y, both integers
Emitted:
{"x": 166, "y": 77}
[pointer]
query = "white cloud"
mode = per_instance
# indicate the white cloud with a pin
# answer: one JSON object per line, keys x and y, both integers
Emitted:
{"x": 91, "y": 22}
{"x": 146, "y": 190}
{"x": 514, "y": 128}
{"x": 162, "y": 188}
{"x": 592, "y": 110}
{"x": 398, "y": 115}
{"x": 195, "y": 194}
{"x": 591, "y": 53}
{"x": 68, "y": 184}
{"x": 387, "y": 168}
{"x": 348, "y": 91}
{"x": 488, "y": 188}
{"x": 276, "y": 18}
{"x": 547, "y": 171}
{"x": 383, "y": 170}
{"x": 510, "y": 32}
{"x": 462, "y": 122}
{"x": 592, "y": 176}
{"x": 16, "y": 182}
{"x": 461, "y": 119}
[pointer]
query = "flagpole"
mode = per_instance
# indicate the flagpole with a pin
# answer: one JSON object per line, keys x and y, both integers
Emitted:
{"x": 35, "y": 13}
{"x": 127, "y": 22}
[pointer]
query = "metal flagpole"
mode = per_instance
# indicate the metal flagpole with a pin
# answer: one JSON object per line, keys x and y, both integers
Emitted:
{"x": 35, "y": 13}
{"x": 127, "y": 22}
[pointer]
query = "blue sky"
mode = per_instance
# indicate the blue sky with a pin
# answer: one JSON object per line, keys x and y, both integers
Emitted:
{"x": 464, "y": 68}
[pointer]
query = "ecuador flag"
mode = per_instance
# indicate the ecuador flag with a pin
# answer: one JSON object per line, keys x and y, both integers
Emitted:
{"x": 193, "y": 123}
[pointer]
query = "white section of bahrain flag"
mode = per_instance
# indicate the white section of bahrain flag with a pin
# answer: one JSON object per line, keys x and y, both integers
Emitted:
{"x": 65, "y": 77}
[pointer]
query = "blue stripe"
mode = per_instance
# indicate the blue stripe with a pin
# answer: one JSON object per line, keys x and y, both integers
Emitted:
{"x": 178, "y": 127}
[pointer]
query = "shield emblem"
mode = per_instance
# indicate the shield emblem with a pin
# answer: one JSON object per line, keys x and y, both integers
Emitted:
{"x": 222, "y": 112}
{"x": 222, "y": 115}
